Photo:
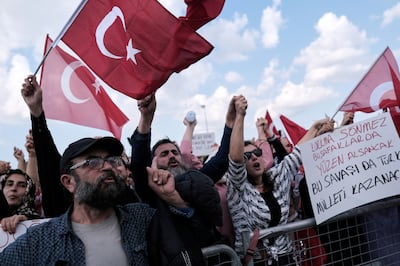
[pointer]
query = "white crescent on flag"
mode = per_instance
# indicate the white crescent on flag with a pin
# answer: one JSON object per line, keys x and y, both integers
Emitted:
{"x": 65, "y": 80}
{"x": 378, "y": 93}
{"x": 107, "y": 21}
{"x": 103, "y": 26}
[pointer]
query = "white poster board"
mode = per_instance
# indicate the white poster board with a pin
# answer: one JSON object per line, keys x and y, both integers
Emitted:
{"x": 352, "y": 166}
{"x": 202, "y": 143}
{"x": 6, "y": 238}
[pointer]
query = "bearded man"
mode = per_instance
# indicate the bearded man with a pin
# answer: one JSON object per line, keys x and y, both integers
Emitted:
{"x": 94, "y": 231}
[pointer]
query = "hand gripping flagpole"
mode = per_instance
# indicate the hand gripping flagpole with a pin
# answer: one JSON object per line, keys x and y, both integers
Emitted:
{"x": 64, "y": 29}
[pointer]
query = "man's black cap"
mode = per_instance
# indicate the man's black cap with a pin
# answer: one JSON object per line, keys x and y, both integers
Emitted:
{"x": 110, "y": 144}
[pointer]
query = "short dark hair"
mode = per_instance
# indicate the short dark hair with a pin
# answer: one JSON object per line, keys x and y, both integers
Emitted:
{"x": 248, "y": 142}
{"x": 161, "y": 142}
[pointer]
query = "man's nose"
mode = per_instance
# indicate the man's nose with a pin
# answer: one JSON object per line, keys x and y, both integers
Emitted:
{"x": 107, "y": 165}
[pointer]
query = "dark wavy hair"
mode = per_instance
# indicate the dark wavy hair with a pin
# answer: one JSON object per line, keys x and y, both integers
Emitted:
{"x": 161, "y": 142}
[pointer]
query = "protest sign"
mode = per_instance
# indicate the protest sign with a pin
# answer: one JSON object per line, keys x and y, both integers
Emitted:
{"x": 202, "y": 143}
{"x": 352, "y": 166}
{"x": 6, "y": 238}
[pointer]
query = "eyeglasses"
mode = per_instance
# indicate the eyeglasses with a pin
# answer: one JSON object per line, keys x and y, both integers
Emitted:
{"x": 257, "y": 152}
{"x": 98, "y": 162}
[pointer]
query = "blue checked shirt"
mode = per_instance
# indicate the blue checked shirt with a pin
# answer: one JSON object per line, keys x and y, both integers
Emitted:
{"x": 54, "y": 242}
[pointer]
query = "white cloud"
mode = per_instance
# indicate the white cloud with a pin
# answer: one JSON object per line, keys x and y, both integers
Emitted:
{"x": 337, "y": 55}
{"x": 233, "y": 76}
{"x": 339, "y": 44}
{"x": 271, "y": 22}
{"x": 176, "y": 96}
{"x": 391, "y": 14}
{"x": 18, "y": 16}
{"x": 191, "y": 79}
{"x": 294, "y": 97}
{"x": 23, "y": 29}
{"x": 235, "y": 42}
{"x": 269, "y": 76}
{"x": 12, "y": 107}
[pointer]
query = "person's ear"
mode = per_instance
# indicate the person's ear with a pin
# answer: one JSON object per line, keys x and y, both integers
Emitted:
{"x": 68, "y": 181}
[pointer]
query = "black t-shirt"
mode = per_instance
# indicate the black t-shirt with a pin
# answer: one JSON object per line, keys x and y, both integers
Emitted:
{"x": 4, "y": 209}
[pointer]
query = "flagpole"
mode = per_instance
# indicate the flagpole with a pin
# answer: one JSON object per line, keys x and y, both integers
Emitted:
{"x": 60, "y": 35}
{"x": 369, "y": 70}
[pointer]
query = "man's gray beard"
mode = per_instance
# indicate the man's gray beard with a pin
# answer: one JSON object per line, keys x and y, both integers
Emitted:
{"x": 175, "y": 171}
{"x": 99, "y": 195}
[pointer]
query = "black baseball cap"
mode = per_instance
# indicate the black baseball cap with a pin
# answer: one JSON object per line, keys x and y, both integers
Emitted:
{"x": 110, "y": 144}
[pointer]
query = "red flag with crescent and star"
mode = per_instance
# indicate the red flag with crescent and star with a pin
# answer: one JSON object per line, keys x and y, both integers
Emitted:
{"x": 73, "y": 94}
{"x": 376, "y": 90}
{"x": 133, "y": 46}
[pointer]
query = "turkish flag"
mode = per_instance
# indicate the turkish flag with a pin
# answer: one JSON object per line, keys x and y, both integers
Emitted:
{"x": 200, "y": 12}
{"x": 295, "y": 131}
{"x": 271, "y": 125}
{"x": 395, "y": 110}
{"x": 135, "y": 45}
{"x": 375, "y": 90}
{"x": 396, "y": 83}
{"x": 71, "y": 93}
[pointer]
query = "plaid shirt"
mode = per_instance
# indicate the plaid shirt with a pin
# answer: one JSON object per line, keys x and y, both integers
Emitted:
{"x": 54, "y": 242}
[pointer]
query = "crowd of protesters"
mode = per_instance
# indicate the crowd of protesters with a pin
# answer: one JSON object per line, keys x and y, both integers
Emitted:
{"x": 159, "y": 205}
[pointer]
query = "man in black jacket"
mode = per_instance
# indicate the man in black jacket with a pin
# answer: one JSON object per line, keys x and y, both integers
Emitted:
{"x": 55, "y": 198}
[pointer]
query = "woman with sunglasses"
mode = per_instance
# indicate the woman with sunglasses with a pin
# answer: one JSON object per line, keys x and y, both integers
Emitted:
{"x": 258, "y": 199}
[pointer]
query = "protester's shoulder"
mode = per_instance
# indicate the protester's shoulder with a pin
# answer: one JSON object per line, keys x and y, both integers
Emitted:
{"x": 295, "y": 154}
{"x": 194, "y": 175}
{"x": 43, "y": 228}
{"x": 196, "y": 187}
{"x": 135, "y": 208}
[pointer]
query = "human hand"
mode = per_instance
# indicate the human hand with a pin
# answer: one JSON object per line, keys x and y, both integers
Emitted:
{"x": 4, "y": 167}
{"x": 32, "y": 94}
{"x": 29, "y": 145}
{"x": 147, "y": 105}
{"x": 147, "y": 108}
{"x": 160, "y": 181}
{"x": 189, "y": 124}
{"x": 348, "y": 118}
{"x": 9, "y": 224}
{"x": 231, "y": 113}
{"x": 263, "y": 129}
{"x": 262, "y": 123}
{"x": 240, "y": 105}
{"x": 324, "y": 125}
{"x": 18, "y": 154}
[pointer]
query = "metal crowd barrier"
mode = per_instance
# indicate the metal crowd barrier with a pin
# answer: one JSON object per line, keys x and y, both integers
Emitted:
{"x": 357, "y": 237}
{"x": 367, "y": 235}
{"x": 220, "y": 255}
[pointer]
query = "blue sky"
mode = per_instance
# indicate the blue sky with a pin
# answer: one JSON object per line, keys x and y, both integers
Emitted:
{"x": 297, "y": 58}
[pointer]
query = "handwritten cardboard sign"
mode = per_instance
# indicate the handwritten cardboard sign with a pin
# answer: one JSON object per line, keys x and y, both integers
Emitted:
{"x": 352, "y": 166}
{"x": 6, "y": 238}
{"x": 202, "y": 143}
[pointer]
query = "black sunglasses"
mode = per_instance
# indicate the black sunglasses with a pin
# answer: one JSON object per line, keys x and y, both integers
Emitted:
{"x": 257, "y": 152}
